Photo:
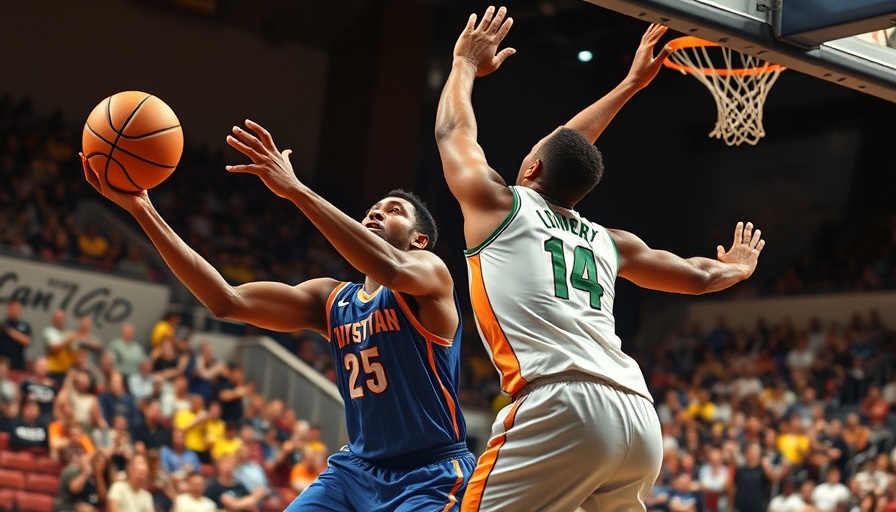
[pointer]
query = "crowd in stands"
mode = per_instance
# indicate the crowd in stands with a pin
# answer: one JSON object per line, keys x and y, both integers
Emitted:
{"x": 153, "y": 422}
{"x": 780, "y": 417}
{"x": 785, "y": 418}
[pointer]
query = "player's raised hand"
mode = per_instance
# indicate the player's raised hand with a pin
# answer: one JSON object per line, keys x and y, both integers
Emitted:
{"x": 127, "y": 200}
{"x": 479, "y": 44}
{"x": 268, "y": 163}
{"x": 745, "y": 249}
{"x": 645, "y": 65}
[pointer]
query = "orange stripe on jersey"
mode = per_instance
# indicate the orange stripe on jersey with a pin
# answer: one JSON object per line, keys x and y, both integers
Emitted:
{"x": 476, "y": 485}
{"x": 330, "y": 300}
{"x": 452, "y": 499}
{"x": 502, "y": 353}
{"x": 438, "y": 340}
{"x": 452, "y": 407}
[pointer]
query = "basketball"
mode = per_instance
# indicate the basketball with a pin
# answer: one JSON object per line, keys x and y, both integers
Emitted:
{"x": 133, "y": 140}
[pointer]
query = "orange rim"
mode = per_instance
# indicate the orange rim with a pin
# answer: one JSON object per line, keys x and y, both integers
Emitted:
{"x": 695, "y": 42}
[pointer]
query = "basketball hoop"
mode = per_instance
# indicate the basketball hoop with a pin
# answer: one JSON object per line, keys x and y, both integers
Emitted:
{"x": 739, "y": 88}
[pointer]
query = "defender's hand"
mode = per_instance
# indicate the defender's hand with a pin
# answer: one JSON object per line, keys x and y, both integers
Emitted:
{"x": 127, "y": 200}
{"x": 745, "y": 249}
{"x": 268, "y": 163}
{"x": 645, "y": 66}
{"x": 479, "y": 45}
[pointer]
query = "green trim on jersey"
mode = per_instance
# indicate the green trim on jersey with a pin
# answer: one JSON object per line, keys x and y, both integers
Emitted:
{"x": 615, "y": 249}
{"x": 501, "y": 228}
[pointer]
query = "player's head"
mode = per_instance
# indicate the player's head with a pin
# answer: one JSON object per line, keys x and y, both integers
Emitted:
{"x": 564, "y": 166}
{"x": 402, "y": 219}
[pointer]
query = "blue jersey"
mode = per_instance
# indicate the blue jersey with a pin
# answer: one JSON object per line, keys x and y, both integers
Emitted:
{"x": 398, "y": 380}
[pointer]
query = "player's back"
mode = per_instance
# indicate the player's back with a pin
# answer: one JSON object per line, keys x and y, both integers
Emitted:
{"x": 542, "y": 288}
{"x": 398, "y": 381}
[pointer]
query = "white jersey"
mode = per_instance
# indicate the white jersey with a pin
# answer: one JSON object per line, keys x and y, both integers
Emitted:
{"x": 542, "y": 287}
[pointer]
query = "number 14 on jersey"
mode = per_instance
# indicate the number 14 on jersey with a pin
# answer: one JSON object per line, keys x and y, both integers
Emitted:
{"x": 583, "y": 275}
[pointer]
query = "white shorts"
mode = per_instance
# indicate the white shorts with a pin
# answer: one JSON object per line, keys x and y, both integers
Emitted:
{"x": 566, "y": 445}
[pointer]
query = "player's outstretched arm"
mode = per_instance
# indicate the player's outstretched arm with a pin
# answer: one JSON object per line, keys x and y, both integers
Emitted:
{"x": 415, "y": 272}
{"x": 482, "y": 193}
{"x": 664, "y": 271}
{"x": 275, "y": 306}
{"x": 592, "y": 121}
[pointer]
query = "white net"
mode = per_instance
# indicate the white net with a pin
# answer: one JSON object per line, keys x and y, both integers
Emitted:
{"x": 739, "y": 86}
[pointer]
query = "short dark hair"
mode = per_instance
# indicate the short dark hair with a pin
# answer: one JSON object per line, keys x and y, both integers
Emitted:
{"x": 425, "y": 223}
{"x": 572, "y": 165}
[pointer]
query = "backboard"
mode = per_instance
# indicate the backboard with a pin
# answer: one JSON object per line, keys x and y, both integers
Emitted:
{"x": 864, "y": 61}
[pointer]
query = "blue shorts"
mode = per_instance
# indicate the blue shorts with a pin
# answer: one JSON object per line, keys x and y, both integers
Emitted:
{"x": 353, "y": 484}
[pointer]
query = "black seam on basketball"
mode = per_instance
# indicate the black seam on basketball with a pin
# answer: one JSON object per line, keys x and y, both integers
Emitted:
{"x": 109, "y": 159}
{"x": 150, "y": 134}
{"x": 118, "y": 136}
{"x": 138, "y": 157}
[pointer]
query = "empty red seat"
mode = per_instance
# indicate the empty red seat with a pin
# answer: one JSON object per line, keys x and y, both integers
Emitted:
{"x": 45, "y": 484}
{"x": 4, "y": 440}
{"x": 22, "y": 461}
{"x": 30, "y": 502}
{"x": 7, "y": 498}
{"x": 11, "y": 479}
{"x": 48, "y": 466}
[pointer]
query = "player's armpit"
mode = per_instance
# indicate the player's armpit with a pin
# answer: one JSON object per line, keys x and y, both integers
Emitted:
{"x": 281, "y": 307}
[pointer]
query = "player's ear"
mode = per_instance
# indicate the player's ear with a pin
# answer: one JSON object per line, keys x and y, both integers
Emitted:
{"x": 420, "y": 241}
{"x": 534, "y": 170}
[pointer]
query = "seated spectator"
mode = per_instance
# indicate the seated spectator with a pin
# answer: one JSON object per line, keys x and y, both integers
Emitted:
{"x": 855, "y": 434}
{"x": 128, "y": 353}
{"x": 250, "y": 473}
{"x": 107, "y": 367}
{"x": 95, "y": 379}
{"x": 84, "y": 337}
{"x": 193, "y": 500}
{"x": 165, "y": 327}
{"x": 789, "y": 500}
{"x": 40, "y": 388}
{"x": 231, "y": 389}
{"x": 204, "y": 369}
{"x": 92, "y": 244}
{"x": 85, "y": 407}
{"x": 71, "y": 445}
{"x": 134, "y": 263}
{"x": 873, "y": 477}
{"x": 255, "y": 448}
{"x": 151, "y": 433}
{"x": 713, "y": 478}
{"x": 230, "y": 495}
{"x": 165, "y": 361}
{"x": 129, "y": 495}
{"x": 682, "y": 498}
{"x": 304, "y": 473}
{"x": 793, "y": 442}
{"x": 195, "y": 423}
{"x": 313, "y": 439}
{"x": 832, "y": 494}
{"x": 9, "y": 391}
{"x": 83, "y": 485}
{"x": 161, "y": 485}
{"x": 229, "y": 444}
{"x": 28, "y": 432}
{"x": 116, "y": 402}
{"x": 177, "y": 459}
{"x": 175, "y": 397}
{"x": 116, "y": 443}
{"x": 15, "y": 335}
{"x": 142, "y": 385}
{"x": 60, "y": 347}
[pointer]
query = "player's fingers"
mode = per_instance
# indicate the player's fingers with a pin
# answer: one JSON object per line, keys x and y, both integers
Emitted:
{"x": 239, "y": 168}
{"x": 263, "y": 135}
{"x": 88, "y": 173}
{"x": 748, "y": 232}
{"x": 471, "y": 23}
{"x": 739, "y": 233}
{"x": 757, "y": 236}
{"x": 487, "y": 18}
{"x": 247, "y": 138}
{"x": 505, "y": 28}
{"x": 502, "y": 55}
{"x": 286, "y": 153}
{"x": 720, "y": 251}
{"x": 242, "y": 148}
{"x": 760, "y": 245}
{"x": 497, "y": 20}
{"x": 664, "y": 53}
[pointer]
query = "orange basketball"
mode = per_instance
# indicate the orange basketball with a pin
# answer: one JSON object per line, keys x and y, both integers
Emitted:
{"x": 134, "y": 140}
